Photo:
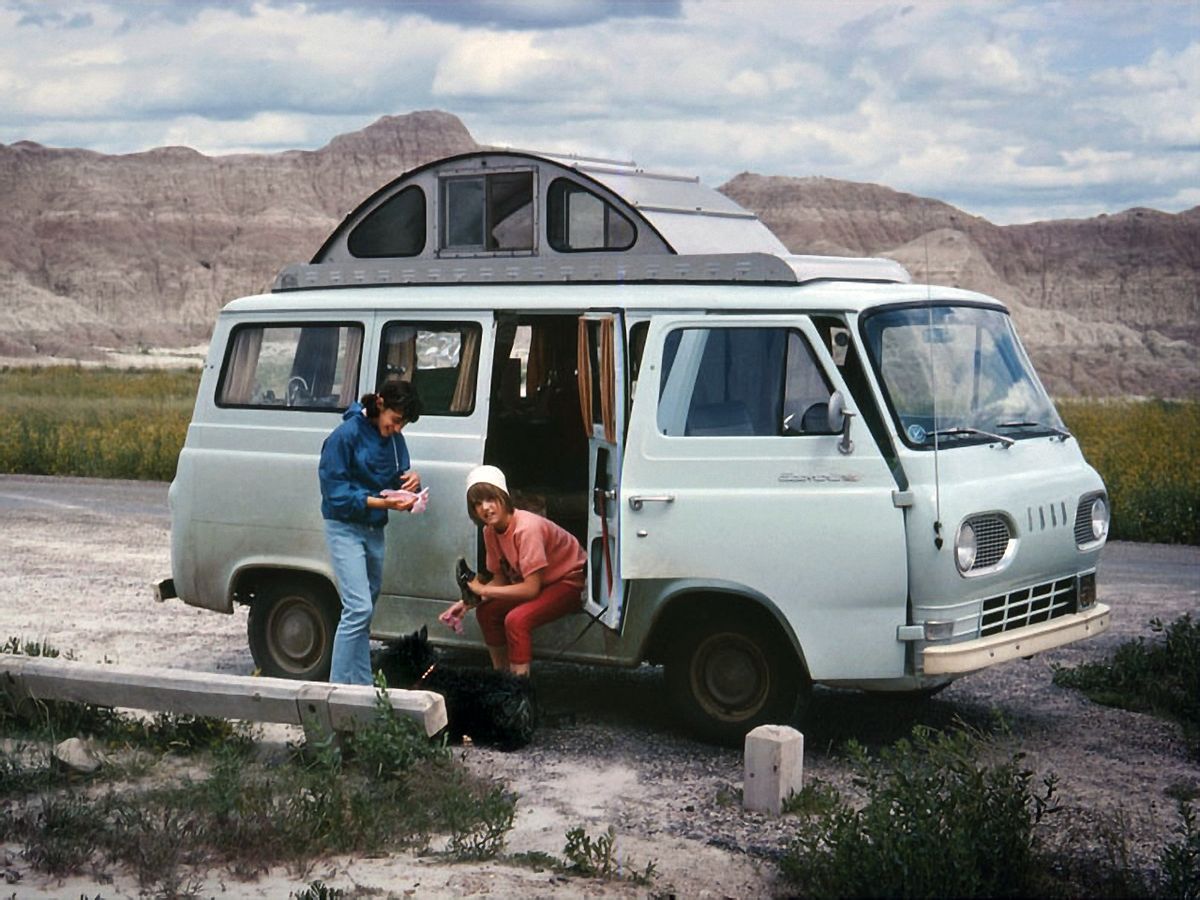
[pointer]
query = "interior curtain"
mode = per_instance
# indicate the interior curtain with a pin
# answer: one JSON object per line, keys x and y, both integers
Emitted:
{"x": 464, "y": 387}
{"x": 583, "y": 366}
{"x": 240, "y": 387}
{"x": 349, "y": 374}
{"x": 608, "y": 379}
{"x": 536, "y": 369}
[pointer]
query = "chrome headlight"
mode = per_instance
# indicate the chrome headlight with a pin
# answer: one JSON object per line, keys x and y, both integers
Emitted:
{"x": 965, "y": 547}
{"x": 1099, "y": 519}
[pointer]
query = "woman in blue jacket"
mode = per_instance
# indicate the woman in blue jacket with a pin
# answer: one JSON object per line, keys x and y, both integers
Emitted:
{"x": 360, "y": 459}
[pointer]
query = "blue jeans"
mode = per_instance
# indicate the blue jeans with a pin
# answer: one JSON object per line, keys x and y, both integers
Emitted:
{"x": 357, "y": 555}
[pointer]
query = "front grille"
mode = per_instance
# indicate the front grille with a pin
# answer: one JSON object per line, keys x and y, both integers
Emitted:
{"x": 991, "y": 540}
{"x": 1028, "y": 606}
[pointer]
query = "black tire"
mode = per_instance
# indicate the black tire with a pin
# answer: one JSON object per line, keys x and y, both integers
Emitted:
{"x": 291, "y": 627}
{"x": 729, "y": 675}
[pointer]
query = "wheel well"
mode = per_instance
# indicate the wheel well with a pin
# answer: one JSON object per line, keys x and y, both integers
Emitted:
{"x": 689, "y": 606}
{"x": 248, "y": 583}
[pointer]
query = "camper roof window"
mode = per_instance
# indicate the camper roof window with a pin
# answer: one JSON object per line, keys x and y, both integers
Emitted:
{"x": 577, "y": 219}
{"x": 395, "y": 228}
{"x": 492, "y": 212}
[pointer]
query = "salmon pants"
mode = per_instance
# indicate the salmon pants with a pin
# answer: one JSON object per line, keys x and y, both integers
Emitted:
{"x": 511, "y": 622}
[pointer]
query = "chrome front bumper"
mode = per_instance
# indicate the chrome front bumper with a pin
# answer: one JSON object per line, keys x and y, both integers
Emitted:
{"x": 970, "y": 656}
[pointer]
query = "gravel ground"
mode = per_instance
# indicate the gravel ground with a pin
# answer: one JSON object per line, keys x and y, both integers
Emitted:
{"x": 79, "y": 555}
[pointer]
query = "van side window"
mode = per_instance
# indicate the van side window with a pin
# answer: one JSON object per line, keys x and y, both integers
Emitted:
{"x": 577, "y": 219}
{"x": 395, "y": 228}
{"x": 723, "y": 382}
{"x": 312, "y": 367}
{"x": 488, "y": 212}
{"x": 441, "y": 360}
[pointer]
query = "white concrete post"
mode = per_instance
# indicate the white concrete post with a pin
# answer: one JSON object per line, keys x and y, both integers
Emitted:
{"x": 774, "y": 768}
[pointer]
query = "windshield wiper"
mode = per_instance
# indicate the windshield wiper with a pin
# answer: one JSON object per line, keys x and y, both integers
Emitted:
{"x": 1060, "y": 432}
{"x": 967, "y": 431}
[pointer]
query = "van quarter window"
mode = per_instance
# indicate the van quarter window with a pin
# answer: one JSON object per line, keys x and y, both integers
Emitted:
{"x": 723, "y": 382}
{"x": 440, "y": 358}
{"x": 396, "y": 228}
{"x": 313, "y": 367}
{"x": 577, "y": 219}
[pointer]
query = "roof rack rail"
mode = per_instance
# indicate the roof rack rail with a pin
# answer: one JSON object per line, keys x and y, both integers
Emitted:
{"x": 591, "y": 268}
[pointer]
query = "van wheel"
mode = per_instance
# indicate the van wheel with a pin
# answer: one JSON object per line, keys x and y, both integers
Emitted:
{"x": 728, "y": 676}
{"x": 291, "y": 628}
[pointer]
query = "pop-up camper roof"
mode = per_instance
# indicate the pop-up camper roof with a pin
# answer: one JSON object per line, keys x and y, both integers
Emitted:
{"x": 513, "y": 216}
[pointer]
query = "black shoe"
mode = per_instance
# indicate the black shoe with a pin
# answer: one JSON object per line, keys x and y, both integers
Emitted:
{"x": 464, "y": 576}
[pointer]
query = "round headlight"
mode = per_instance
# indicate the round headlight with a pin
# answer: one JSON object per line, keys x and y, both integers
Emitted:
{"x": 964, "y": 547}
{"x": 1099, "y": 518}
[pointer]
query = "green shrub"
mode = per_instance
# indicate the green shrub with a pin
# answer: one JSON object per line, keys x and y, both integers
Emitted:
{"x": 1161, "y": 676}
{"x": 597, "y": 858}
{"x": 1181, "y": 860}
{"x": 938, "y": 821}
{"x": 245, "y": 816}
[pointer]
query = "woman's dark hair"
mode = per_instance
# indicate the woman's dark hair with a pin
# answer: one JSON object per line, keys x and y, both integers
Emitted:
{"x": 481, "y": 491}
{"x": 398, "y": 396}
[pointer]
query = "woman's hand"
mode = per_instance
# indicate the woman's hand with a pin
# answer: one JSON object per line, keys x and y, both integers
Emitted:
{"x": 399, "y": 503}
{"x": 410, "y": 481}
{"x": 476, "y": 587}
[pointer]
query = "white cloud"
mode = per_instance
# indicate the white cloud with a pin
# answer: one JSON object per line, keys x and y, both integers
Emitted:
{"x": 995, "y": 105}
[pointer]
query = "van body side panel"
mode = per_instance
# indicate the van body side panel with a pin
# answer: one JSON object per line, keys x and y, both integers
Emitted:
{"x": 785, "y": 517}
{"x": 246, "y": 489}
{"x": 422, "y": 548}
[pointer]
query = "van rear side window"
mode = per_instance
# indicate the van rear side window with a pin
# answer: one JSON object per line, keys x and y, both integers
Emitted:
{"x": 306, "y": 367}
{"x": 441, "y": 359}
{"x": 741, "y": 382}
{"x": 577, "y": 219}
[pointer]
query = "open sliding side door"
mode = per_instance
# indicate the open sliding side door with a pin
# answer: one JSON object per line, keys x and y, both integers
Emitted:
{"x": 601, "y": 368}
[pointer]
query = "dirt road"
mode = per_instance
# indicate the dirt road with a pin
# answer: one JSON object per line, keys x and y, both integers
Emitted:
{"x": 78, "y": 556}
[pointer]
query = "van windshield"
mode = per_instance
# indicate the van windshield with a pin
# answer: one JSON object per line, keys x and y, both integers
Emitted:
{"x": 957, "y": 374}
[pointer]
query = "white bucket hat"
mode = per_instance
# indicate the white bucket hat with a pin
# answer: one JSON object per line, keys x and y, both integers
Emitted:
{"x": 487, "y": 475}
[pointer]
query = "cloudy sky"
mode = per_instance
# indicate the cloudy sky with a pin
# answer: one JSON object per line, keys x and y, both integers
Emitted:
{"x": 1012, "y": 109}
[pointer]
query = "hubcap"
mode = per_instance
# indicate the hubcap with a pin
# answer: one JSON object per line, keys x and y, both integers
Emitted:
{"x": 730, "y": 677}
{"x": 297, "y": 634}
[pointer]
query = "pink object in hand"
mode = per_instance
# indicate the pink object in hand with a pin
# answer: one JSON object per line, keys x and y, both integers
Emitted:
{"x": 422, "y": 498}
{"x": 451, "y": 621}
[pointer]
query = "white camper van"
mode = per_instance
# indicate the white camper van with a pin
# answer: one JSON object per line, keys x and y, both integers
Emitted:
{"x": 785, "y": 470}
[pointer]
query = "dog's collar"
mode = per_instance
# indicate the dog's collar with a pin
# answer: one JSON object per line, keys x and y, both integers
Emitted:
{"x": 427, "y": 672}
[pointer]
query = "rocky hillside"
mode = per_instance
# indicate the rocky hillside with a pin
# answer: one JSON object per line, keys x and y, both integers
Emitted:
{"x": 144, "y": 249}
{"x": 1107, "y": 306}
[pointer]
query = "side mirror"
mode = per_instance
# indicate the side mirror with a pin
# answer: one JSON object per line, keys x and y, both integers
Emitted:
{"x": 839, "y": 420}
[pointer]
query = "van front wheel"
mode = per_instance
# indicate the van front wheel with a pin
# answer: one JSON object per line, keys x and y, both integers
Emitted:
{"x": 729, "y": 676}
{"x": 291, "y": 627}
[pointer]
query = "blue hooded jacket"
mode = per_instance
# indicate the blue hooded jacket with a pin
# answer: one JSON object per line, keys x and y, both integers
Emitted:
{"x": 358, "y": 462}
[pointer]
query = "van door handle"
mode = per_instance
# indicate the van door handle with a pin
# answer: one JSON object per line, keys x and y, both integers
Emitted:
{"x": 635, "y": 502}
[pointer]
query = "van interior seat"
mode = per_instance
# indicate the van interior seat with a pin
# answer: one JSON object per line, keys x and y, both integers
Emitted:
{"x": 716, "y": 419}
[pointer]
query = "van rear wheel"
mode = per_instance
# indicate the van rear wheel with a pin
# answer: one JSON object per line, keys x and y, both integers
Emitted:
{"x": 291, "y": 627}
{"x": 730, "y": 675}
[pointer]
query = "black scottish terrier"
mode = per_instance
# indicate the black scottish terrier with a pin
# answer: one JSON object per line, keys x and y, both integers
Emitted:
{"x": 492, "y": 708}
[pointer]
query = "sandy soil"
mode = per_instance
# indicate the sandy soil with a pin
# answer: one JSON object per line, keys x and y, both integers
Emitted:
{"x": 79, "y": 556}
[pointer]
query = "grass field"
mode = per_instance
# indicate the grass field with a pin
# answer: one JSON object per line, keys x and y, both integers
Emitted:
{"x": 104, "y": 423}
{"x": 1148, "y": 453}
{"x": 109, "y": 423}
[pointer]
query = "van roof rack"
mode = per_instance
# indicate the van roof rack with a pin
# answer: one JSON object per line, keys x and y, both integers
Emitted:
{"x": 594, "y": 268}
{"x": 511, "y": 216}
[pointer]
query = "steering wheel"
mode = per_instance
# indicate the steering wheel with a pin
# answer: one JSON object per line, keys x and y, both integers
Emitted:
{"x": 297, "y": 390}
